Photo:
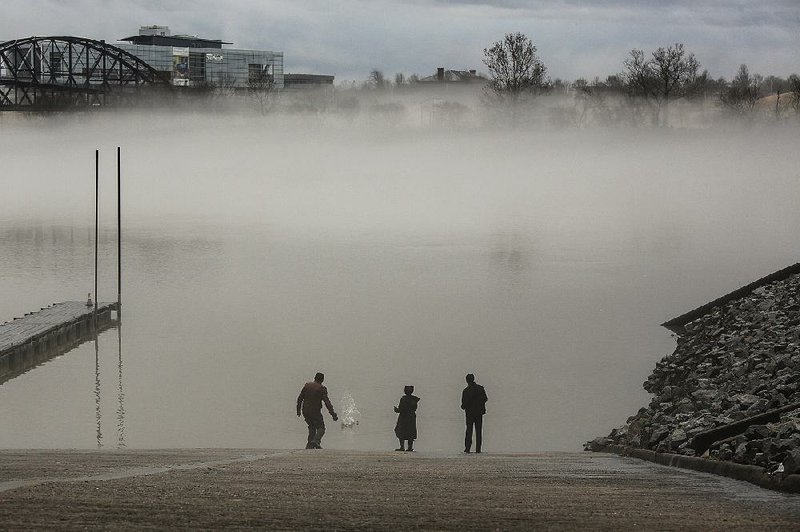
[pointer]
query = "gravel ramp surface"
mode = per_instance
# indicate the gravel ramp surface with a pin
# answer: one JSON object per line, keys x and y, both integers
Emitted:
{"x": 330, "y": 490}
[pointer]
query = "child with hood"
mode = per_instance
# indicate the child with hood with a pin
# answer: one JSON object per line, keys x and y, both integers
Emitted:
{"x": 406, "y": 428}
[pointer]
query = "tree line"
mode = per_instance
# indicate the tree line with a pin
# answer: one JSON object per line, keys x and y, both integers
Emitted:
{"x": 650, "y": 82}
{"x": 648, "y": 89}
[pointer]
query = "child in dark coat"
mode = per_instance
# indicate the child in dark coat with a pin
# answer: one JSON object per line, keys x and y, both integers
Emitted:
{"x": 406, "y": 428}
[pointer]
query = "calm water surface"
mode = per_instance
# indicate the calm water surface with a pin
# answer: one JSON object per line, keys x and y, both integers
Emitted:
{"x": 541, "y": 263}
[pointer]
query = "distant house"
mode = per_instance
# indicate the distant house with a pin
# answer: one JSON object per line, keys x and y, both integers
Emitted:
{"x": 454, "y": 76}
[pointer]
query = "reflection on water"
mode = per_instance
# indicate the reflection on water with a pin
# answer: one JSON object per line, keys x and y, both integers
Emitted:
{"x": 98, "y": 416}
{"x": 542, "y": 265}
{"x": 120, "y": 410}
{"x": 17, "y": 364}
{"x": 511, "y": 252}
{"x": 120, "y": 391}
{"x": 19, "y": 367}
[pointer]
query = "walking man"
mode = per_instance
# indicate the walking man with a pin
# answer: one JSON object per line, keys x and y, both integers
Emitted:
{"x": 473, "y": 403}
{"x": 309, "y": 403}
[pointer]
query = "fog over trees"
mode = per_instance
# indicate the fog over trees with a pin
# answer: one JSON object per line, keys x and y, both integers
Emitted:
{"x": 742, "y": 93}
{"x": 667, "y": 74}
{"x": 665, "y": 87}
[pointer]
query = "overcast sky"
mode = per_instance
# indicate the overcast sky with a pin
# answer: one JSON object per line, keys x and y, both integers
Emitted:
{"x": 348, "y": 38}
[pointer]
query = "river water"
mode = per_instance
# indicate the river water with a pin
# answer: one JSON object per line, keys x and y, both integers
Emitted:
{"x": 256, "y": 254}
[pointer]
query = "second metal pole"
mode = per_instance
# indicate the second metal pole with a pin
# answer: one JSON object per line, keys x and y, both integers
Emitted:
{"x": 96, "y": 218}
{"x": 119, "y": 232}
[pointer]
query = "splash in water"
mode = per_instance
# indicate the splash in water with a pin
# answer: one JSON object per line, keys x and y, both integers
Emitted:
{"x": 349, "y": 410}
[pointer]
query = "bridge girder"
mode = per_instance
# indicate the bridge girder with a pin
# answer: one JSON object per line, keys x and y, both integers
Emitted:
{"x": 64, "y": 72}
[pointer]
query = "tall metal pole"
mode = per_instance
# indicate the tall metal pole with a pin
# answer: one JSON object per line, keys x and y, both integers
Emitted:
{"x": 96, "y": 346}
{"x": 120, "y": 394}
{"x": 96, "y": 218}
{"x": 119, "y": 232}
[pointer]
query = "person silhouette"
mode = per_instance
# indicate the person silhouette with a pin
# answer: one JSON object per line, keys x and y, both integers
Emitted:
{"x": 406, "y": 427}
{"x": 309, "y": 402}
{"x": 473, "y": 403}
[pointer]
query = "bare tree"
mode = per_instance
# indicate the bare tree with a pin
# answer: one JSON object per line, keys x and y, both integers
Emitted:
{"x": 224, "y": 87}
{"x": 219, "y": 93}
{"x": 399, "y": 79}
{"x": 774, "y": 85}
{"x": 703, "y": 86}
{"x": 668, "y": 74}
{"x": 794, "y": 89}
{"x": 743, "y": 92}
{"x": 675, "y": 71}
{"x": 639, "y": 75}
{"x": 377, "y": 80}
{"x": 514, "y": 68}
{"x": 590, "y": 102}
{"x": 261, "y": 87}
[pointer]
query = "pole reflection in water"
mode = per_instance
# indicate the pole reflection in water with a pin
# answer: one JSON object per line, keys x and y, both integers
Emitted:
{"x": 55, "y": 343}
{"x": 97, "y": 391}
{"x": 120, "y": 391}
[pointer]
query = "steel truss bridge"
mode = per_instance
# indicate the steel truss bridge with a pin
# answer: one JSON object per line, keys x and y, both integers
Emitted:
{"x": 50, "y": 73}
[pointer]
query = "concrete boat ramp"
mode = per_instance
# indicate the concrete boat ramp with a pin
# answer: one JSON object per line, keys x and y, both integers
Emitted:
{"x": 330, "y": 490}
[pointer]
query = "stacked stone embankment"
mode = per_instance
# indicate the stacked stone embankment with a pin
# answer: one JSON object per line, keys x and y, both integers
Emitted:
{"x": 740, "y": 359}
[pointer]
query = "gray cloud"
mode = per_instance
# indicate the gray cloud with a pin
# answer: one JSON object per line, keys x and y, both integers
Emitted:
{"x": 785, "y": 13}
{"x": 350, "y": 37}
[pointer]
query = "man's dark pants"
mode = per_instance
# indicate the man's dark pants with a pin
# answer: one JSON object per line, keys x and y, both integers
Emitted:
{"x": 316, "y": 430}
{"x": 475, "y": 420}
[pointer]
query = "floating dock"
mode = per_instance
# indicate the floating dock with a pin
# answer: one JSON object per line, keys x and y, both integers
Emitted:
{"x": 39, "y": 336}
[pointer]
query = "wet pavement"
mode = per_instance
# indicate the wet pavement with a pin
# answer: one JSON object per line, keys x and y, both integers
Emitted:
{"x": 234, "y": 488}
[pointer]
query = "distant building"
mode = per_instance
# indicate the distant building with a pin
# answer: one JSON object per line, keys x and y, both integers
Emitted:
{"x": 454, "y": 76}
{"x": 188, "y": 60}
{"x": 68, "y": 71}
{"x": 307, "y": 81}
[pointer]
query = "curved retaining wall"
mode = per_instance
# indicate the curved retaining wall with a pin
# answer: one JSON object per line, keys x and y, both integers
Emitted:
{"x": 748, "y": 473}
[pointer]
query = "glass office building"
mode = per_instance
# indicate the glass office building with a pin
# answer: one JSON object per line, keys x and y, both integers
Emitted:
{"x": 191, "y": 61}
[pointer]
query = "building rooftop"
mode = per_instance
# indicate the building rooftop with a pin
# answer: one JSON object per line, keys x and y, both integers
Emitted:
{"x": 453, "y": 76}
{"x": 161, "y": 36}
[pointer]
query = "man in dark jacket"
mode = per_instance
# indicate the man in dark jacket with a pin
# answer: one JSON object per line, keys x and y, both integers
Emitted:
{"x": 309, "y": 403}
{"x": 473, "y": 403}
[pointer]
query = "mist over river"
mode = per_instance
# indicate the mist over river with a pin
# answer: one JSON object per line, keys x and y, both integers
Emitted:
{"x": 258, "y": 252}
